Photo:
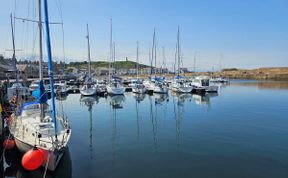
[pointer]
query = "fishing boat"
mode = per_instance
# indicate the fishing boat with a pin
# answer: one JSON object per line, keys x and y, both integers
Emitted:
{"x": 138, "y": 86}
{"x": 115, "y": 83}
{"x": 39, "y": 131}
{"x": 88, "y": 89}
{"x": 203, "y": 82}
{"x": 180, "y": 83}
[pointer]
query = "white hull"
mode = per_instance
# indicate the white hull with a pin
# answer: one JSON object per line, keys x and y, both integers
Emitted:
{"x": 88, "y": 92}
{"x": 161, "y": 90}
{"x": 54, "y": 155}
{"x": 138, "y": 88}
{"x": 182, "y": 89}
{"x": 148, "y": 85}
{"x": 115, "y": 90}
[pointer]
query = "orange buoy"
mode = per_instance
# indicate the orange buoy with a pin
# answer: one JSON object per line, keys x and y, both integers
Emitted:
{"x": 32, "y": 159}
{"x": 45, "y": 154}
{"x": 9, "y": 143}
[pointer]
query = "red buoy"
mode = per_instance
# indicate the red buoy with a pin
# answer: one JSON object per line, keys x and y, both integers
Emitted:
{"x": 45, "y": 154}
{"x": 32, "y": 159}
{"x": 9, "y": 144}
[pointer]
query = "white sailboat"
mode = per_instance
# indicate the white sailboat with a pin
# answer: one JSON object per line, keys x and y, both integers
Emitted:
{"x": 156, "y": 84}
{"x": 180, "y": 83}
{"x": 115, "y": 85}
{"x": 88, "y": 88}
{"x": 17, "y": 89}
{"x": 35, "y": 125}
{"x": 138, "y": 86}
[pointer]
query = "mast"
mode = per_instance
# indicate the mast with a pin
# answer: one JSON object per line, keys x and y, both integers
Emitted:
{"x": 110, "y": 49}
{"x": 113, "y": 58}
{"x": 194, "y": 65}
{"x": 151, "y": 61}
{"x": 178, "y": 50}
{"x": 175, "y": 62}
{"x": 137, "y": 60}
{"x": 40, "y": 41}
{"x": 154, "y": 51}
{"x": 50, "y": 64}
{"x": 89, "y": 59}
{"x": 13, "y": 42}
{"x": 164, "y": 60}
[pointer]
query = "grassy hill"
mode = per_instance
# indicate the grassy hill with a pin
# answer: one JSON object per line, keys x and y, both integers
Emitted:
{"x": 116, "y": 64}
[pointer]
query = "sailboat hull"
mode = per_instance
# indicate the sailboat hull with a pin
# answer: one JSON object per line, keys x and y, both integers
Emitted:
{"x": 115, "y": 90}
{"x": 88, "y": 92}
{"x": 54, "y": 155}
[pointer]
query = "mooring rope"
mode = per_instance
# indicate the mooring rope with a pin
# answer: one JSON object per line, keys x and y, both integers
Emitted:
{"x": 46, "y": 166}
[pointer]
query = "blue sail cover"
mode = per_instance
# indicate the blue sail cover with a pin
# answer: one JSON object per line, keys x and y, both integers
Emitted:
{"x": 40, "y": 94}
{"x": 179, "y": 77}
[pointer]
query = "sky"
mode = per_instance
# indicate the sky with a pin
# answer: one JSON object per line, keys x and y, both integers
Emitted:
{"x": 218, "y": 33}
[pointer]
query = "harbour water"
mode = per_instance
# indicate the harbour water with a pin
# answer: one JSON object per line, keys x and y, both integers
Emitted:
{"x": 239, "y": 132}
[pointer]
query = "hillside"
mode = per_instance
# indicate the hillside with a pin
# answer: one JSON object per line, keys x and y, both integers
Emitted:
{"x": 269, "y": 73}
{"x": 116, "y": 64}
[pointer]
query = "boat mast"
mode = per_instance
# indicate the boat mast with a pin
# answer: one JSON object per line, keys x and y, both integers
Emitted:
{"x": 178, "y": 50}
{"x": 151, "y": 61}
{"x": 40, "y": 41}
{"x": 111, "y": 53}
{"x": 13, "y": 42}
{"x": 154, "y": 50}
{"x": 89, "y": 59}
{"x": 50, "y": 64}
{"x": 137, "y": 60}
{"x": 164, "y": 60}
{"x": 175, "y": 62}
{"x": 40, "y": 57}
{"x": 113, "y": 58}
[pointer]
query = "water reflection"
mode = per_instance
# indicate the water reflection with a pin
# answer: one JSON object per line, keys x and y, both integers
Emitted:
{"x": 183, "y": 97}
{"x": 89, "y": 101}
{"x": 153, "y": 119}
{"x": 178, "y": 114}
{"x": 161, "y": 98}
{"x": 139, "y": 97}
{"x": 116, "y": 101}
{"x": 280, "y": 85}
{"x": 15, "y": 169}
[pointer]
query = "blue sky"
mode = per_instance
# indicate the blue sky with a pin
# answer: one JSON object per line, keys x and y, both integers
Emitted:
{"x": 246, "y": 33}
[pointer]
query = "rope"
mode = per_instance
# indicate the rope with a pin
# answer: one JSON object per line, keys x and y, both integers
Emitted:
{"x": 46, "y": 166}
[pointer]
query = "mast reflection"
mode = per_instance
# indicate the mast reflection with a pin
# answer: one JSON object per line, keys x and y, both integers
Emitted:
{"x": 89, "y": 101}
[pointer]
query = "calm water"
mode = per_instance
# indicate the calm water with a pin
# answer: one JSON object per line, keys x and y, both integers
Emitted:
{"x": 241, "y": 132}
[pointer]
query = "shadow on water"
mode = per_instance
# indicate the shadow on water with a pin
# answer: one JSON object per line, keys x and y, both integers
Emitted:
{"x": 15, "y": 169}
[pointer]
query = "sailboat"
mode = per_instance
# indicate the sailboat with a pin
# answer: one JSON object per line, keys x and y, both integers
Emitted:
{"x": 17, "y": 89}
{"x": 36, "y": 125}
{"x": 138, "y": 86}
{"x": 180, "y": 83}
{"x": 156, "y": 84}
{"x": 88, "y": 88}
{"x": 115, "y": 86}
